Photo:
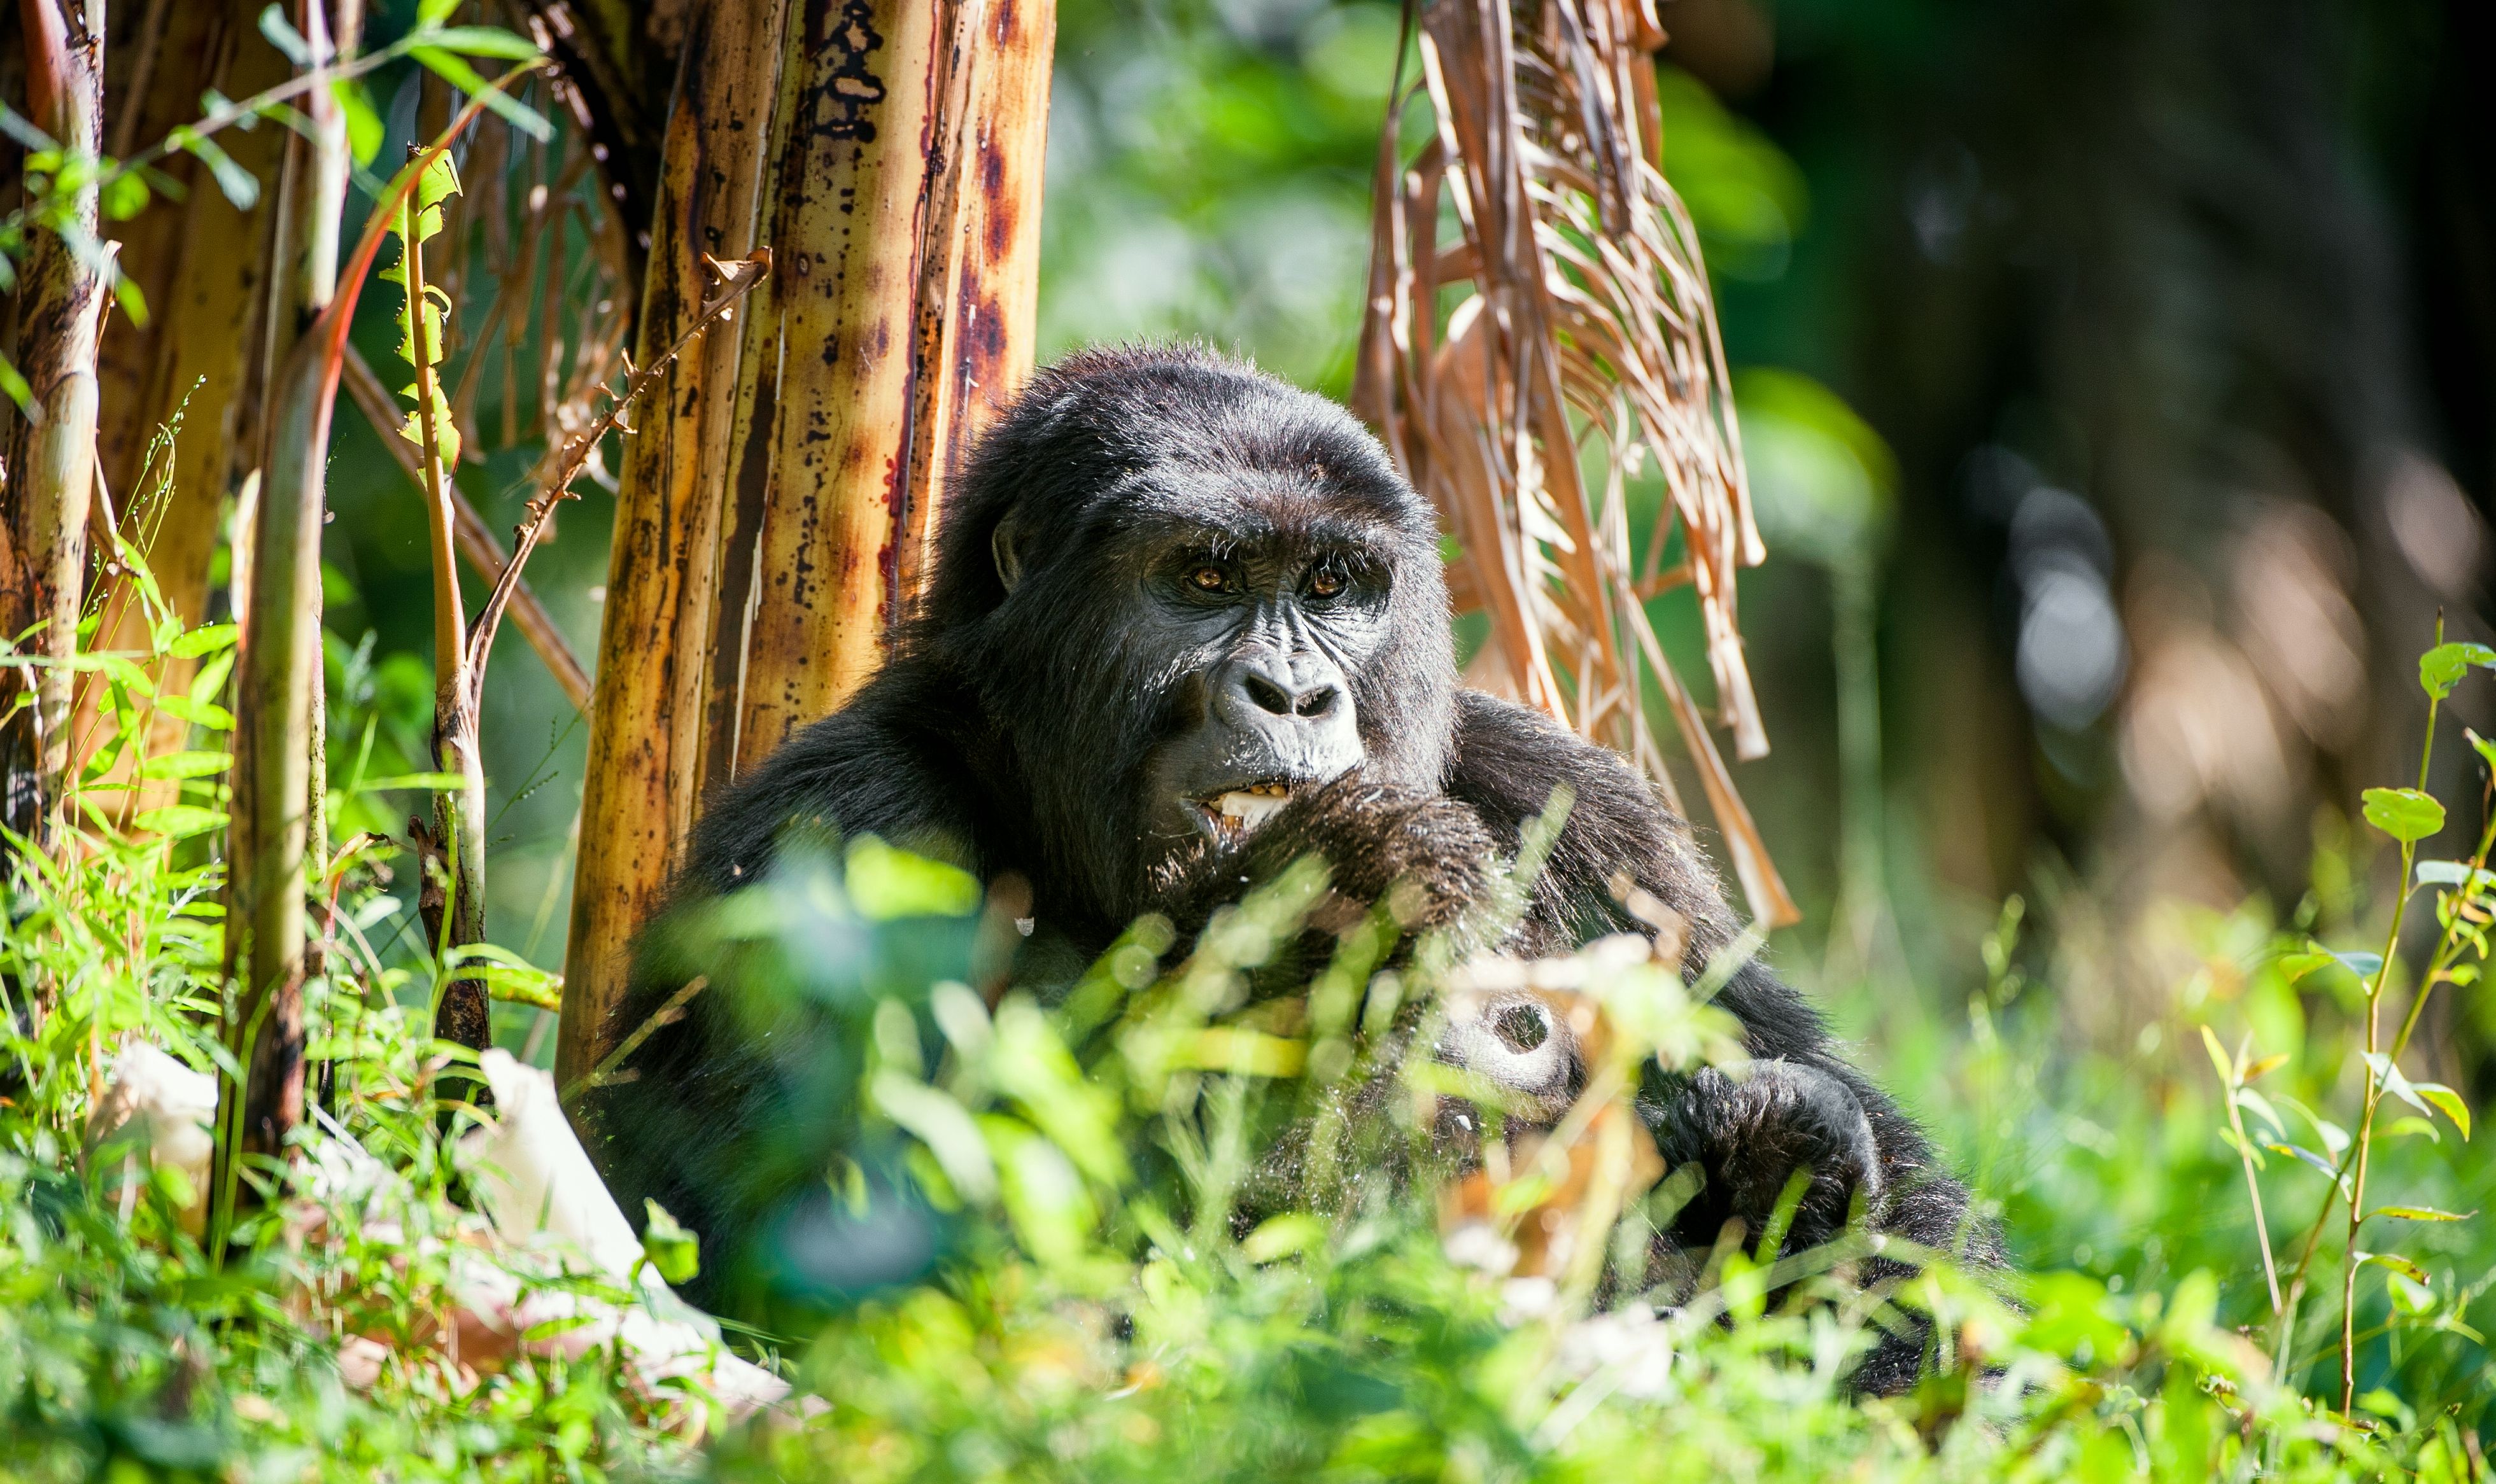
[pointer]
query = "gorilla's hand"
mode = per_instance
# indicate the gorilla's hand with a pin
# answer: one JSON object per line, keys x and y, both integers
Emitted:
{"x": 1748, "y": 1132}
{"x": 1426, "y": 851}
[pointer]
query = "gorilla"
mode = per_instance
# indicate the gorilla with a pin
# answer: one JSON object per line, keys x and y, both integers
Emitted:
{"x": 1186, "y": 625}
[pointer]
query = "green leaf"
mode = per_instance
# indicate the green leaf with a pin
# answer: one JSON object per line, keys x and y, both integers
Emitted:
{"x": 2449, "y": 1102}
{"x": 284, "y": 37}
{"x": 1288, "y": 1235}
{"x": 885, "y": 884}
{"x": 484, "y": 41}
{"x": 241, "y": 186}
{"x": 11, "y": 379}
{"x": 194, "y": 764}
{"x": 448, "y": 66}
{"x": 431, "y": 13}
{"x": 944, "y": 1125}
{"x": 2393, "y": 1262}
{"x": 180, "y": 822}
{"x": 2404, "y": 814}
{"x": 674, "y": 1251}
{"x": 2446, "y": 873}
{"x": 206, "y": 638}
{"x": 2219, "y": 1057}
{"x": 2422, "y": 1214}
{"x": 436, "y": 783}
{"x": 124, "y": 196}
{"x": 2260, "y": 1106}
{"x": 2485, "y": 749}
{"x": 364, "y": 126}
{"x": 2410, "y": 1127}
{"x": 2442, "y": 667}
{"x": 2330, "y": 1171}
{"x": 183, "y": 708}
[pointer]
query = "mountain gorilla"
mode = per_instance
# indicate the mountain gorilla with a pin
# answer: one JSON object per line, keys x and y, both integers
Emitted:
{"x": 1187, "y": 624}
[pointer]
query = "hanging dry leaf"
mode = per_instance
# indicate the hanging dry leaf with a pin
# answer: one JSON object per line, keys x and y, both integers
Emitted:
{"x": 1589, "y": 342}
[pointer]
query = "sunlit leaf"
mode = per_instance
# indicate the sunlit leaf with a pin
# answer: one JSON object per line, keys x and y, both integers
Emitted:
{"x": 2404, "y": 814}
{"x": 942, "y": 1123}
{"x": 2393, "y": 1262}
{"x": 2422, "y": 1214}
{"x": 484, "y": 41}
{"x": 2449, "y": 1102}
{"x": 189, "y": 765}
{"x": 2219, "y": 1057}
{"x": 448, "y": 66}
{"x": 2442, "y": 667}
{"x": 200, "y": 641}
{"x": 180, "y": 822}
{"x": 284, "y": 37}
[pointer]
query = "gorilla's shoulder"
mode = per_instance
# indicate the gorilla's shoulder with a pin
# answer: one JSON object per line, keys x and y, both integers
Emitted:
{"x": 1508, "y": 762}
{"x": 892, "y": 762}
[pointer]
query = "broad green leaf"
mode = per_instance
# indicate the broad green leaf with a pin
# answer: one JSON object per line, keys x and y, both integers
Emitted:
{"x": 364, "y": 126}
{"x": 183, "y": 708}
{"x": 942, "y": 1123}
{"x": 195, "y": 764}
{"x": 2449, "y": 1102}
{"x": 180, "y": 822}
{"x": 2296, "y": 966}
{"x": 124, "y": 196}
{"x": 1288, "y": 1235}
{"x": 2404, "y": 814}
{"x": 674, "y": 1251}
{"x": 2410, "y": 1127}
{"x": 2442, "y": 667}
{"x": 202, "y": 639}
{"x": 2422, "y": 1214}
{"x": 885, "y": 884}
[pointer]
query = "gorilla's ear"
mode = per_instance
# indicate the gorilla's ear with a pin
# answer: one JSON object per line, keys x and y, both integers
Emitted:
{"x": 1005, "y": 545}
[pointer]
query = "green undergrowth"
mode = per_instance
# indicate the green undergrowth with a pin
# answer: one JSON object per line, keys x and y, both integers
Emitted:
{"x": 1093, "y": 1282}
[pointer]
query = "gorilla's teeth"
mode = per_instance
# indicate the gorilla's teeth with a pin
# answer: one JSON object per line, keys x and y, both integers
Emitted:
{"x": 1252, "y": 810}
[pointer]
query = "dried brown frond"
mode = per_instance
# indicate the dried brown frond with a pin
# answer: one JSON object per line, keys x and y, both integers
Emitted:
{"x": 1587, "y": 348}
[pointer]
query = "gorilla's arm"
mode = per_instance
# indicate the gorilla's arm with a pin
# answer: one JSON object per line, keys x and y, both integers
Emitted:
{"x": 1802, "y": 1103}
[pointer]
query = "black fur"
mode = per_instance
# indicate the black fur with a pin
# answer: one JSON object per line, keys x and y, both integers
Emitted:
{"x": 1026, "y": 721}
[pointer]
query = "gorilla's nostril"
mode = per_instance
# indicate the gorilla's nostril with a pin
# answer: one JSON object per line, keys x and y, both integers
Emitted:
{"x": 1317, "y": 702}
{"x": 1267, "y": 696}
{"x": 1522, "y": 1028}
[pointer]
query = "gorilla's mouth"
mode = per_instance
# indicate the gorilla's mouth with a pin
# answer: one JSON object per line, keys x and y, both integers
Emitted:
{"x": 1234, "y": 813}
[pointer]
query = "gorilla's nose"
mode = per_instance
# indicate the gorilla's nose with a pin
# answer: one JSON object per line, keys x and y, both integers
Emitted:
{"x": 1295, "y": 704}
{"x": 1253, "y": 689}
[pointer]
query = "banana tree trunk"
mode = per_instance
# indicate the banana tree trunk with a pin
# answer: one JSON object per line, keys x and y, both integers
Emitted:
{"x": 51, "y": 472}
{"x": 772, "y": 525}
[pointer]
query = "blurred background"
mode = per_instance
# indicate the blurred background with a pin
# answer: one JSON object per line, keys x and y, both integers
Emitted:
{"x": 2116, "y": 382}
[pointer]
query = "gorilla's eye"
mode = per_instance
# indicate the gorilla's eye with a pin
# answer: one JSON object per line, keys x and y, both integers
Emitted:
{"x": 1325, "y": 582}
{"x": 1207, "y": 578}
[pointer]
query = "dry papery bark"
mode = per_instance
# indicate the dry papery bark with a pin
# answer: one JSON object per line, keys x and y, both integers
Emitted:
{"x": 1587, "y": 348}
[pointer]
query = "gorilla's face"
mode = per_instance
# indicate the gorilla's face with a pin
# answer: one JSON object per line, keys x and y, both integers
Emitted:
{"x": 1186, "y": 591}
{"x": 1255, "y": 626}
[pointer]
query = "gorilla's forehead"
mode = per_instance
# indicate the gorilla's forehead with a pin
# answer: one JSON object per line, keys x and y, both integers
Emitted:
{"x": 1254, "y": 506}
